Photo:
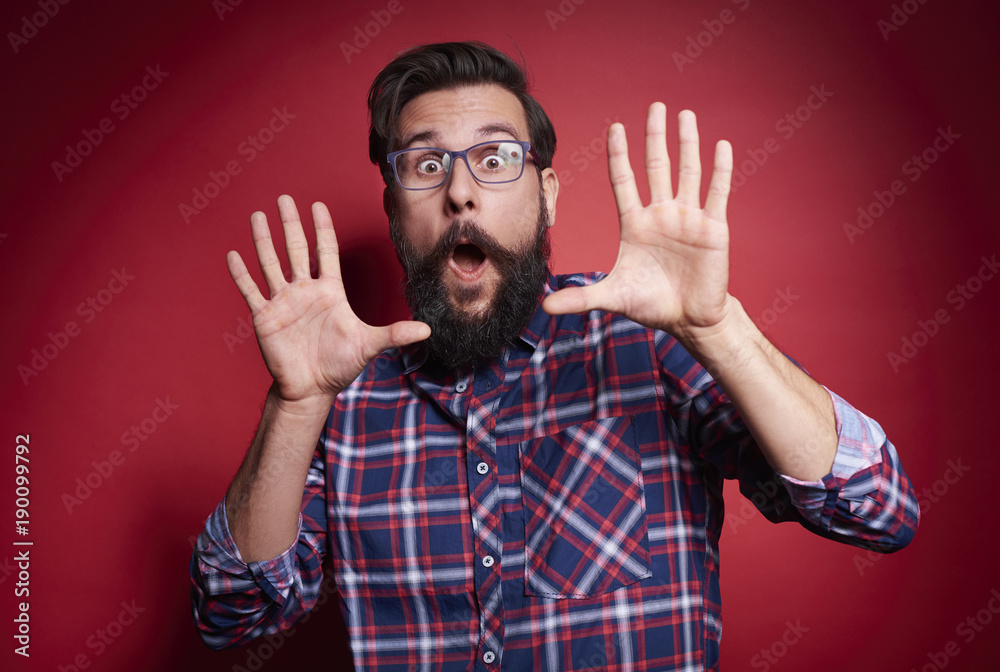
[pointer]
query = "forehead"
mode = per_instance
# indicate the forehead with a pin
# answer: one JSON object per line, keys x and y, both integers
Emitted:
{"x": 462, "y": 115}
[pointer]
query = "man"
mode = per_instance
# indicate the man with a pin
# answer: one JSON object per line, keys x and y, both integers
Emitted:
{"x": 511, "y": 484}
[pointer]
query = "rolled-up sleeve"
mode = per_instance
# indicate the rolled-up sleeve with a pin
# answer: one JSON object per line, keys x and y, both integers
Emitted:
{"x": 234, "y": 601}
{"x": 867, "y": 496}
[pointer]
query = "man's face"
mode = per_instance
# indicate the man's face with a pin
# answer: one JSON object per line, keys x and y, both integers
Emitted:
{"x": 466, "y": 244}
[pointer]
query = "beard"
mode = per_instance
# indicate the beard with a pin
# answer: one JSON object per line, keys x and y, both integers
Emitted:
{"x": 457, "y": 337}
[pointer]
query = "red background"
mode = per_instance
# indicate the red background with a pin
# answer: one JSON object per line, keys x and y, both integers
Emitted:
{"x": 164, "y": 336}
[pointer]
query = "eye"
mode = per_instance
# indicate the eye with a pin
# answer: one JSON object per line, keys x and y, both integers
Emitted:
{"x": 493, "y": 163}
{"x": 430, "y": 166}
{"x": 506, "y": 155}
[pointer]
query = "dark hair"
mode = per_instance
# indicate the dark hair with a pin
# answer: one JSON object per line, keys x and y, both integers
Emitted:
{"x": 434, "y": 67}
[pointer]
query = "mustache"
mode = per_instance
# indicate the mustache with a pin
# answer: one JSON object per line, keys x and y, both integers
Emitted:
{"x": 469, "y": 232}
{"x": 458, "y": 338}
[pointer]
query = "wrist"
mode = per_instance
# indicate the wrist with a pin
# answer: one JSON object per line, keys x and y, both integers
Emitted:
{"x": 723, "y": 339}
{"x": 305, "y": 407}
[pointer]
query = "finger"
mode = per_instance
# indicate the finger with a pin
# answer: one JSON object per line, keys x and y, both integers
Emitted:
{"x": 266, "y": 257}
{"x": 395, "y": 335}
{"x": 327, "y": 249}
{"x": 296, "y": 244}
{"x": 689, "y": 173}
{"x": 718, "y": 188}
{"x": 580, "y": 299}
{"x": 620, "y": 172}
{"x": 244, "y": 283}
{"x": 657, "y": 158}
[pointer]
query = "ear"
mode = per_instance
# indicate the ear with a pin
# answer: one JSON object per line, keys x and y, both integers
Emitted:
{"x": 550, "y": 187}
{"x": 387, "y": 202}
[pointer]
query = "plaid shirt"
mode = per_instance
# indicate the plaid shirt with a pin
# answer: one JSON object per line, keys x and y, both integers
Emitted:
{"x": 559, "y": 509}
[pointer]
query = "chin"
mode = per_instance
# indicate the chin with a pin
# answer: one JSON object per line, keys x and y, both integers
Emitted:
{"x": 472, "y": 300}
{"x": 471, "y": 307}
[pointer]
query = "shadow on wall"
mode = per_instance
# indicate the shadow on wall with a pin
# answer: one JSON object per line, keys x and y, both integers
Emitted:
{"x": 372, "y": 282}
{"x": 321, "y": 636}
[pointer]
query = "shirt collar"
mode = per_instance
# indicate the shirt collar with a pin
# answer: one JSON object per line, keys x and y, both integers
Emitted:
{"x": 540, "y": 321}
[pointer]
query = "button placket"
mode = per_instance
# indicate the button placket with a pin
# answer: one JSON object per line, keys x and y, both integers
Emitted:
{"x": 484, "y": 496}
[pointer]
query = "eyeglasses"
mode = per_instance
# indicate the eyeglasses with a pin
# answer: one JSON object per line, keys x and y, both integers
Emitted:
{"x": 492, "y": 162}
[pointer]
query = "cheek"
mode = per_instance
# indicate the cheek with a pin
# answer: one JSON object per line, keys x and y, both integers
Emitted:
{"x": 416, "y": 224}
{"x": 520, "y": 221}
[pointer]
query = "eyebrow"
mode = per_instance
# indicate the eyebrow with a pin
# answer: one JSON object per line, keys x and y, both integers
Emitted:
{"x": 483, "y": 132}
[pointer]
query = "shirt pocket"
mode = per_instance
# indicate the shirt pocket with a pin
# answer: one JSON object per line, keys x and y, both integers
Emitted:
{"x": 584, "y": 510}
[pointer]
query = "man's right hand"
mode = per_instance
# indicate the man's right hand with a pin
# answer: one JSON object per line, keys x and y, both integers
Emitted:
{"x": 313, "y": 344}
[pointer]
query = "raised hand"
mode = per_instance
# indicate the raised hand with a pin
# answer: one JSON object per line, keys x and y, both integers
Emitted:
{"x": 312, "y": 342}
{"x": 672, "y": 271}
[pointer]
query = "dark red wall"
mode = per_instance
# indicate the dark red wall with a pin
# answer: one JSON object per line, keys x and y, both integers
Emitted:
{"x": 169, "y": 333}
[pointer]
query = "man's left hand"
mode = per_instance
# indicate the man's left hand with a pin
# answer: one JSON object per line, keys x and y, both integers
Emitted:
{"x": 672, "y": 271}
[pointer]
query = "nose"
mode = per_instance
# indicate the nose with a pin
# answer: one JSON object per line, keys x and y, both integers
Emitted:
{"x": 461, "y": 189}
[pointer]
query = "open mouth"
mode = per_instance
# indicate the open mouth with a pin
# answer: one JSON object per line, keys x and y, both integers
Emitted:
{"x": 468, "y": 259}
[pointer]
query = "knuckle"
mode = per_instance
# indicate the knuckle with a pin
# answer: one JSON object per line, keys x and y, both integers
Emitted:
{"x": 622, "y": 178}
{"x": 630, "y": 211}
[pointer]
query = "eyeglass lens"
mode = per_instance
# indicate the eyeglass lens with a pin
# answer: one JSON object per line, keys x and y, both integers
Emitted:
{"x": 489, "y": 162}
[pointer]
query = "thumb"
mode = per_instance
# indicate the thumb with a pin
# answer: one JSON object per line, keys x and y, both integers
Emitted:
{"x": 396, "y": 335}
{"x": 578, "y": 299}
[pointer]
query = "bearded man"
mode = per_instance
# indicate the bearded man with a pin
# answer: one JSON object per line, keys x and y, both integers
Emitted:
{"x": 528, "y": 475}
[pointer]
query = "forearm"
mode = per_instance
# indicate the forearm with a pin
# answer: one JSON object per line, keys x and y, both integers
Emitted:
{"x": 265, "y": 497}
{"x": 789, "y": 415}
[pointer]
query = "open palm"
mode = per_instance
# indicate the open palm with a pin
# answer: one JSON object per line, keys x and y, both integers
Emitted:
{"x": 672, "y": 271}
{"x": 312, "y": 342}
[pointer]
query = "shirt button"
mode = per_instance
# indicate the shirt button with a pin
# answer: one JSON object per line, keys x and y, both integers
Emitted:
{"x": 461, "y": 387}
{"x": 482, "y": 468}
{"x": 489, "y": 657}
{"x": 488, "y": 561}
